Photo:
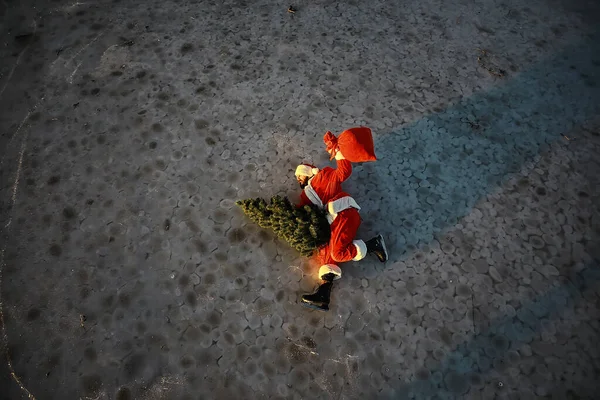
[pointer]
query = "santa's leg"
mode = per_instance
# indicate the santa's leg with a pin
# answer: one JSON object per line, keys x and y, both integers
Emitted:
{"x": 339, "y": 249}
{"x": 319, "y": 300}
{"x": 344, "y": 247}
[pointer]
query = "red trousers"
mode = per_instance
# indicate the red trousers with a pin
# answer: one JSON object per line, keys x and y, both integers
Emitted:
{"x": 343, "y": 231}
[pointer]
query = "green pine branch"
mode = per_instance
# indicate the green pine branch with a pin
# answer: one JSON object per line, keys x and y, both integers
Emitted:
{"x": 305, "y": 228}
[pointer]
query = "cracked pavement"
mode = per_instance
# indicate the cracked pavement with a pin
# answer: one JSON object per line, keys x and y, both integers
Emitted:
{"x": 129, "y": 130}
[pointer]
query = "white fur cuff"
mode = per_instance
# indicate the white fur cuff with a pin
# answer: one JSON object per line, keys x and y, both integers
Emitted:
{"x": 361, "y": 250}
{"x": 330, "y": 269}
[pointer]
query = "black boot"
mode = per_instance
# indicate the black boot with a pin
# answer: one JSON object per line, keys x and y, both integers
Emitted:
{"x": 377, "y": 247}
{"x": 319, "y": 300}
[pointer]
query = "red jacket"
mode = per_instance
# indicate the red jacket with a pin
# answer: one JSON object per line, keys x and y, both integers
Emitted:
{"x": 326, "y": 185}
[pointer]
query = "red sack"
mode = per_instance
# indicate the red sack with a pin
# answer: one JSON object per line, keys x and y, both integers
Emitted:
{"x": 356, "y": 144}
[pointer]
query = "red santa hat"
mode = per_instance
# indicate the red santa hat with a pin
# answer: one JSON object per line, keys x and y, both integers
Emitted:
{"x": 306, "y": 170}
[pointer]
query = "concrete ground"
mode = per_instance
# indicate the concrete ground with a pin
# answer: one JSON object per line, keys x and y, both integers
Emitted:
{"x": 129, "y": 128}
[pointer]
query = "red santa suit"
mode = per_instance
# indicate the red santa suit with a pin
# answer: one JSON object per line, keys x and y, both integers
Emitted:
{"x": 324, "y": 189}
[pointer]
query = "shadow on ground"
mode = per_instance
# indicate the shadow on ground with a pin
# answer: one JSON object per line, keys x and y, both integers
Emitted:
{"x": 445, "y": 163}
{"x": 494, "y": 347}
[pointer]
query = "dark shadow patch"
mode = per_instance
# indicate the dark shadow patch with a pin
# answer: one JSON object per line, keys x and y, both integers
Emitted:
{"x": 134, "y": 365}
{"x": 200, "y": 246}
{"x": 214, "y": 318}
{"x": 140, "y": 327}
{"x": 315, "y": 321}
{"x": 263, "y": 236}
{"x": 279, "y": 296}
{"x": 193, "y": 334}
{"x": 422, "y": 374}
{"x": 241, "y": 353}
{"x": 240, "y": 268}
{"x": 186, "y": 48}
{"x": 90, "y": 354}
{"x": 209, "y": 278}
{"x": 124, "y": 300}
{"x": 184, "y": 280}
{"x": 228, "y": 337}
{"x": 53, "y": 180}
{"x": 53, "y": 362}
{"x": 268, "y": 369}
{"x": 236, "y": 235}
{"x": 33, "y": 314}
{"x": 108, "y": 301}
{"x": 192, "y": 226}
{"x": 190, "y": 299}
{"x": 201, "y": 124}
{"x": 55, "y": 250}
{"x": 69, "y": 213}
{"x": 84, "y": 293}
{"x": 187, "y": 362}
{"x": 233, "y": 177}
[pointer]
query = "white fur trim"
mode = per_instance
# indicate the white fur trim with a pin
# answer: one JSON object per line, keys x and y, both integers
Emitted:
{"x": 330, "y": 269}
{"x": 306, "y": 170}
{"x": 312, "y": 195}
{"x": 361, "y": 250}
{"x": 339, "y": 205}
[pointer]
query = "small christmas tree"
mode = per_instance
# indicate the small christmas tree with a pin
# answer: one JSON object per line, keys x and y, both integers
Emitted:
{"x": 304, "y": 228}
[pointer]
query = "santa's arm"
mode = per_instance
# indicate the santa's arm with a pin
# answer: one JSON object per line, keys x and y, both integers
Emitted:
{"x": 304, "y": 200}
{"x": 344, "y": 168}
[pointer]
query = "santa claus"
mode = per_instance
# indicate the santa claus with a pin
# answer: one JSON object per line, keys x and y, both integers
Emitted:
{"x": 324, "y": 189}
